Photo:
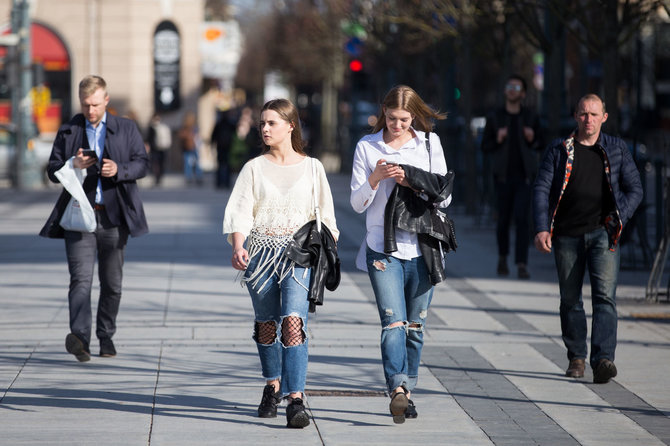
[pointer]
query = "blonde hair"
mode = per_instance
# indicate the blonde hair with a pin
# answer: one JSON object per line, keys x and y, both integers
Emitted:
{"x": 289, "y": 113}
{"x": 90, "y": 84}
{"x": 405, "y": 98}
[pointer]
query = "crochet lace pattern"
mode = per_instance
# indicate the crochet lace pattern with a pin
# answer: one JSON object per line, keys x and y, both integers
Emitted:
{"x": 272, "y": 259}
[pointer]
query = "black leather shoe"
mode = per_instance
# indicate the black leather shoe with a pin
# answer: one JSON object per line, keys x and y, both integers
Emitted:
{"x": 502, "y": 269}
{"x": 523, "y": 271}
{"x": 604, "y": 371}
{"x": 296, "y": 415}
{"x": 269, "y": 402}
{"x": 75, "y": 346}
{"x": 411, "y": 412}
{"x": 107, "y": 349}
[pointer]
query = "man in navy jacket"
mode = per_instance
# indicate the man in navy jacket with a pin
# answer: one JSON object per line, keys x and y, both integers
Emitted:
{"x": 587, "y": 189}
{"x": 110, "y": 184}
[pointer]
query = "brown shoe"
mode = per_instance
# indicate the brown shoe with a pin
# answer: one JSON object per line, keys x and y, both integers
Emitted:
{"x": 575, "y": 369}
{"x": 604, "y": 371}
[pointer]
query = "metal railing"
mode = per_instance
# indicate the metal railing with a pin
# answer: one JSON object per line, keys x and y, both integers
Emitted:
{"x": 654, "y": 289}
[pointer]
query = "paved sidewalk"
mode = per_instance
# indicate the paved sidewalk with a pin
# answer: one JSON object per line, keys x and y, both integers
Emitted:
{"x": 187, "y": 372}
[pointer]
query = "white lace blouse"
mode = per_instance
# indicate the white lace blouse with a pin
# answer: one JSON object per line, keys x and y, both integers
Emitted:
{"x": 269, "y": 203}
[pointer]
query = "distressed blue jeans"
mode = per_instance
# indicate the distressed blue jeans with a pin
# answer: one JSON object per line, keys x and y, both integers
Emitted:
{"x": 403, "y": 293}
{"x": 573, "y": 255}
{"x": 281, "y": 304}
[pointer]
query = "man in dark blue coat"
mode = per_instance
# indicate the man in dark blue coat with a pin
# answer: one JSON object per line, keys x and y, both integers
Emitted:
{"x": 587, "y": 189}
{"x": 120, "y": 159}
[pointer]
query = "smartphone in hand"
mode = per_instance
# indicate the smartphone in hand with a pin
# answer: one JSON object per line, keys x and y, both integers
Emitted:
{"x": 89, "y": 152}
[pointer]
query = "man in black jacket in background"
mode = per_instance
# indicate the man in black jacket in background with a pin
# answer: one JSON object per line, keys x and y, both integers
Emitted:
{"x": 512, "y": 140}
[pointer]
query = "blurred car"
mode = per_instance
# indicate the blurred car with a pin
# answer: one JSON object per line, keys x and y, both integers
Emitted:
{"x": 39, "y": 145}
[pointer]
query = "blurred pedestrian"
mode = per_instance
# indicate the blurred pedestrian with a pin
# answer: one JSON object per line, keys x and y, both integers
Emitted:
{"x": 403, "y": 265}
{"x": 271, "y": 199}
{"x": 222, "y": 137}
{"x": 120, "y": 159}
{"x": 245, "y": 141}
{"x": 512, "y": 140}
{"x": 159, "y": 138}
{"x": 132, "y": 115}
{"x": 189, "y": 141}
{"x": 587, "y": 189}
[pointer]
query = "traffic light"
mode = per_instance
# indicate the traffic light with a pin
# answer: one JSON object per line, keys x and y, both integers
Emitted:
{"x": 357, "y": 75}
{"x": 355, "y": 65}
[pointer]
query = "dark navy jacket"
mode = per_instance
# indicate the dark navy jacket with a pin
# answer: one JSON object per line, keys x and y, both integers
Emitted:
{"x": 123, "y": 145}
{"x": 554, "y": 175}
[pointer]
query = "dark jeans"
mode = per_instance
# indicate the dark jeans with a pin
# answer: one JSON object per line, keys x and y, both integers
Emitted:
{"x": 108, "y": 243}
{"x": 573, "y": 255}
{"x": 158, "y": 164}
{"x": 223, "y": 176}
{"x": 513, "y": 200}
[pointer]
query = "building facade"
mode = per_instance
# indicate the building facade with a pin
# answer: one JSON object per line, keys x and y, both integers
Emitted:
{"x": 116, "y": 40}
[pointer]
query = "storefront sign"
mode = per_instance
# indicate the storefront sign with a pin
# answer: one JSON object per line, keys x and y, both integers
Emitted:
{"x": 167, "y": 56}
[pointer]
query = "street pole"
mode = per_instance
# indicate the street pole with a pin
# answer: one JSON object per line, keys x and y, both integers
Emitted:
{"x": 28, "y": 175}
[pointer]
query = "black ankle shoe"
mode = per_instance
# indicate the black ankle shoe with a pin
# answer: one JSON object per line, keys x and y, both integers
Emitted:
{"x": 411, "y": 412}
{"x": 296, "y": 415}
{"x": 75, "y": 346}
{"x": 107, "y": 349}
{"x": 269, "y": 402}
{"x": 502, "y": 269}
{"x": 398, "y": 406}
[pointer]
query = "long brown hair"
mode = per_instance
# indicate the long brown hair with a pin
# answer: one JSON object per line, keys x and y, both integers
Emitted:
{"x": 405, "y": 98}
{"x": 289, "y": 113}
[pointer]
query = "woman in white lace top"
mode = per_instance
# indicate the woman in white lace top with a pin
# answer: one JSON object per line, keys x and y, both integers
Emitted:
{"x": 272, "y": 198}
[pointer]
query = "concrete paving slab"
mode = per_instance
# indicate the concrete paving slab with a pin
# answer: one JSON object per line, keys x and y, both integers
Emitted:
{"x": 187, "y": 371}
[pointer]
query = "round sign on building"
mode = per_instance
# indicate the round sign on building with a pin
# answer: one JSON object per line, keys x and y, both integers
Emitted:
{"x": 167, "y": 56}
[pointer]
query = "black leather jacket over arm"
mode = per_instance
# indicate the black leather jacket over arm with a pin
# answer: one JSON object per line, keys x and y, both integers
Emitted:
{"x": 310, "y": 248}
{"x": 410, "y": 212}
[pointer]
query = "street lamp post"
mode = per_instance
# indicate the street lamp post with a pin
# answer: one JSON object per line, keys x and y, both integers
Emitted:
{"x": 28, "y": 174}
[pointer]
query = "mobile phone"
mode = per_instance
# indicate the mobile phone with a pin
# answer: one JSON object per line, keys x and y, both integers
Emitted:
{"x": 89, "y": 152}
{"x": 387, "y": 163}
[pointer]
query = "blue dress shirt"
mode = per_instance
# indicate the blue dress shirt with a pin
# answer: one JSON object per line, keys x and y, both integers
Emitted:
{"x": 96, "y": 141}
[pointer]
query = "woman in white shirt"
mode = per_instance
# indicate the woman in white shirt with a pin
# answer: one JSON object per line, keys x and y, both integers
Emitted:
{"x": 400, "y": 280}
{"x": 272, "y": 198}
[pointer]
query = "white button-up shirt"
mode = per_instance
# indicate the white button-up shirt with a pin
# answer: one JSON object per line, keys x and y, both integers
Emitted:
{"x": 369, "y": 150}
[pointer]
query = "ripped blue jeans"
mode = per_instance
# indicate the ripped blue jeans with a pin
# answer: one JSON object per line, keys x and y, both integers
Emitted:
{"x": 403, "y": 293}
{"x": 280, "y": 328}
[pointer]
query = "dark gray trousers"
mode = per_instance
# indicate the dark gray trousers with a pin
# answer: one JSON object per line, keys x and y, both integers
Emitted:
{"x": 108, "y": 244}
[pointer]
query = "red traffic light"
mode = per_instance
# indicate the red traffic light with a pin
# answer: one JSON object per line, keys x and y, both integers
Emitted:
{"x": 355, "y": 65}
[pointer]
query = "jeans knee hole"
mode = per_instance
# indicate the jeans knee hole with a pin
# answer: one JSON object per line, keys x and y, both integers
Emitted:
{"x": 394, "y": 325}
{"x": 379, "y": 265}
{"x": 293, "y": 333}
{"x": 265, "y": 332}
